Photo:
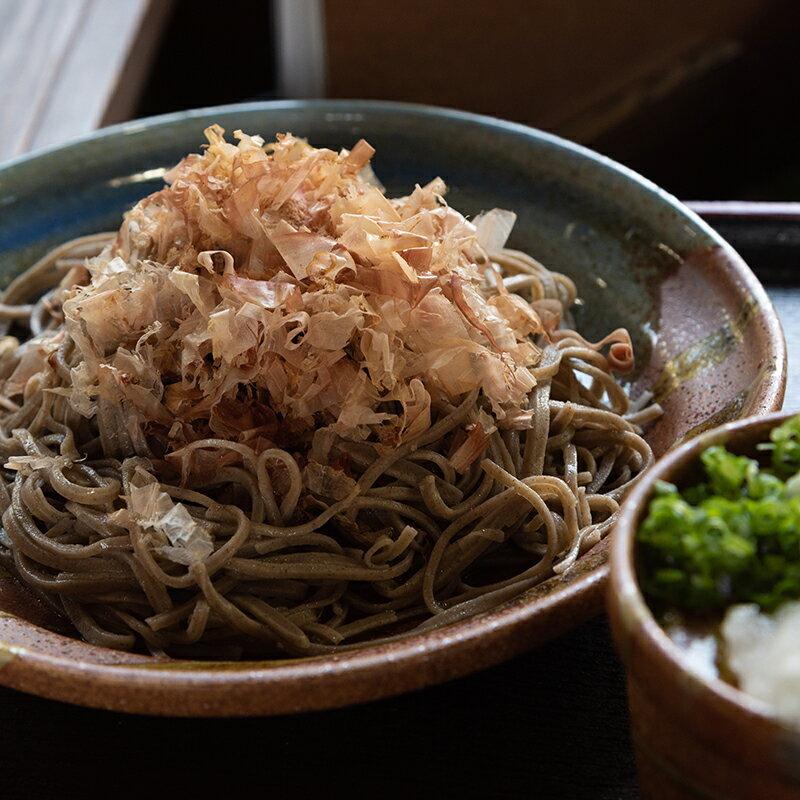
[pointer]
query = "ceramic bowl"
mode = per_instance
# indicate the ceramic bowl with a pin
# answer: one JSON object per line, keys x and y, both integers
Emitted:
{"x": 707, "y": 340}
{"x": 693, "y": 736}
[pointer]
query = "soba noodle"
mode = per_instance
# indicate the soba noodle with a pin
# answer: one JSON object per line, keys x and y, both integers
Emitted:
{"x": 409, "y": 543}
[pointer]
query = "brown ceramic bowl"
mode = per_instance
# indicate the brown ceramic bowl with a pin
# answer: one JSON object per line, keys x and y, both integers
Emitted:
{"x": 693, "y": 736}
{"x": 707, "y": 341}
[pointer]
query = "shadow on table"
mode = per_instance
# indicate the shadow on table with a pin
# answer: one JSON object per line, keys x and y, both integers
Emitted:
{"x": 552, "y": 723}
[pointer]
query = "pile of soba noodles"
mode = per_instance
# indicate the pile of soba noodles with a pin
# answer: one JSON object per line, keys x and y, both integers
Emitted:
{"x": 280, "y": 413}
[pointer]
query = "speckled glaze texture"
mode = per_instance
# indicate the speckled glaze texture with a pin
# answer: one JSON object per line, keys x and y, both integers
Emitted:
{"x": 707, "y": 340}
{"x": 693, "y": 737}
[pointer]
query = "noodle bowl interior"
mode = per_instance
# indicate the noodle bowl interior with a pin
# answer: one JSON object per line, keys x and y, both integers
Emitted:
{"x": 278, "y": 413}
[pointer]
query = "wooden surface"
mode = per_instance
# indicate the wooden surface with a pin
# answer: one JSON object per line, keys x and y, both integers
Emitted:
{"x": 552, "y": 723}
{"x": 70, "y": 66}
{"x": 578, "y": 68}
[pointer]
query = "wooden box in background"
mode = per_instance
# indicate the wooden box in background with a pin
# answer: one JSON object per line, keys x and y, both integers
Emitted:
{"x": 627, "y": 76}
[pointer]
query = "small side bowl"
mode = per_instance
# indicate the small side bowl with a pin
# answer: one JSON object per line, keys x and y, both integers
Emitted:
{"x": 693, "y": 736}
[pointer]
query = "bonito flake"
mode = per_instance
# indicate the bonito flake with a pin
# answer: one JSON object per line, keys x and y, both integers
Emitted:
{"x": 270, "y": 290}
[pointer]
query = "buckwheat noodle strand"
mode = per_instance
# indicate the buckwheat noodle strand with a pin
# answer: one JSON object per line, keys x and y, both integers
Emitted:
{"x": 280, "y": 413}
{"x": 410, "y": 546}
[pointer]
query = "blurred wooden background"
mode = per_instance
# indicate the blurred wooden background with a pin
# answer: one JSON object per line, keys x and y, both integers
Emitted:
{"x": 70, "y": 66}
{"x": 701, "y": 97}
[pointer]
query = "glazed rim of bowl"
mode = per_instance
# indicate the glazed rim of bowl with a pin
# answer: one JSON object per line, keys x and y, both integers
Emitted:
{"x": 373, "y": 671}
{"x": 633, "y": 615}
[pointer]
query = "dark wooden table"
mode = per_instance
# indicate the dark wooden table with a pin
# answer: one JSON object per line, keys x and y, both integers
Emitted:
{"x": 551, "y": 723}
